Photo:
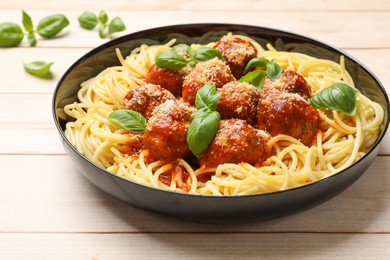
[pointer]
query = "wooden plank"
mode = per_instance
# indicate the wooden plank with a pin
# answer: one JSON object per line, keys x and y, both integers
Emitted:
{"x": 48, "y": 194}
{"x": 194, "y": 246}
{"x": 356, "y": 30}
{"x": 21, "y": 82}
{"x": 242, "y": 5}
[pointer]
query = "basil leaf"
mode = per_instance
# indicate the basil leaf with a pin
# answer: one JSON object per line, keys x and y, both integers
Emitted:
{"x": 88, "y": 20}
{"x": 339, "y": 96}
{"x": 116, "y": 25}
{"x": 255, "y": 62}
{"x": 11, "y": 34}
{"x": 38, "y": 68}
{"x": 130, "y": 120}
{"x": 31, "y": 39}
{"x": 273, "y": 70}
{"x": 202, "y": 131}
{"x": 102, "y": 28}
{"x": 27, "y": 22}
{"x": 255, "y": 78}
{"x": 103, "y": 17}
{"x": 170, "y": 59}
{"x": 207, "y": 97}
{"x": 51, "y": 25}
{"x": 207, "y": 53}
{"x": 185, "y": 48}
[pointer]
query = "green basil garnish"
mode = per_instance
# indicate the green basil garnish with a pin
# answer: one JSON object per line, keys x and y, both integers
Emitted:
{"x": 31, "y": 39}
{"x": 51, "y": 25}
{"x": 339, "y": 96}
{"x": 130, "y": 120}
{"x": 103, "y": 17}
{"x": 207, "y": 98}
{"x": 88, "y": 20}
{"x": 116, "y": 25}
{"x": 255, "y": 62}
{"x": 11, "y": 34}
{"x": 38, "y": 68}
{"x": 207, "y": 53}
{"x": 27, "y": 22}
{"x": 255, "y": 78}
{"x": 102, "y": 28}
{"x": 185, "y": 48}
{"x": 272, "y": 69}
{"x": 170, "y": 59}
{"x": 202, "y": 131}
{"x": 29, "y": 27}
{"x": 206, "y": 122}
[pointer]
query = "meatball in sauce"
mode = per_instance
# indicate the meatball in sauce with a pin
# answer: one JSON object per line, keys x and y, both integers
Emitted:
{"x": 210, "y": 72}
{"x": 235, "y": 142}
{"x": 238, "y": 100}
{"x": 166, "y": 131}
{"x": 237, "y": 52}
{"x": 171, "y": 80}
{"x": 289, "y": 81}
{"x": 287, "y": 113}
{"x": 144, "y": 99}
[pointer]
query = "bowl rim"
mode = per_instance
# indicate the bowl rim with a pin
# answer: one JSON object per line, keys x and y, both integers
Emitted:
{"x": 131, "y": 35}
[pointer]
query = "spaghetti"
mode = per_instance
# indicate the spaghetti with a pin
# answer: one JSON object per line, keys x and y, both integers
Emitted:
{"x": 340, "y": 141}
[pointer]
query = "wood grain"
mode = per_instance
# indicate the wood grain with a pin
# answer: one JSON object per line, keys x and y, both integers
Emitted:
{"x": 48, "y": 210}
{"x": 194, "y": 246}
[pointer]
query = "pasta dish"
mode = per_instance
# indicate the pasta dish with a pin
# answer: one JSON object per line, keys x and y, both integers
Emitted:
{"x": 229, "y": 118}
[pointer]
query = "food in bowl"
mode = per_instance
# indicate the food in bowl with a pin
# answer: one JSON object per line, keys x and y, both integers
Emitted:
{"x": 227, "y": 118}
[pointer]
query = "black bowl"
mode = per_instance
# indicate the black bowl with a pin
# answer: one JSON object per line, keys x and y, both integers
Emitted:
{"x": 210, "y": 209}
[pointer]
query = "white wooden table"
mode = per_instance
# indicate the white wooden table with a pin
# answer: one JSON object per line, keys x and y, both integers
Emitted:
{"x": 48, "y": 210}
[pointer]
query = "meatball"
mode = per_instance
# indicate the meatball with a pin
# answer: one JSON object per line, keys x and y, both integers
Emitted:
{"x": 144, "y": 99}
{"x": 238, "y": 100}
{"x": 165, "y": 135}
{"x": 235, "y": 142}
{"x": 287, "y": 113}
{"x": 237, "y": 52}
{"x": 171, "y": 80}
{"x": 209, "y": 72}
{"x": 289, "y": 81}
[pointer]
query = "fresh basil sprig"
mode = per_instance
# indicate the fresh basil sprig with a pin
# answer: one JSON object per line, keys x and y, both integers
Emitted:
{"x": 130, "y": 120}
{"x": 206, "y": 122}
{"x": 39, "y": 68}
{"x": 11, "y": 34}
{"x": 29, "y": 27}
{"x": 89, "y": 21}
{"x": 339, "y": 96}
{"x": 170, "y": 59}
{"x": 272, "y": 70}
{"x": 255, "y": 78}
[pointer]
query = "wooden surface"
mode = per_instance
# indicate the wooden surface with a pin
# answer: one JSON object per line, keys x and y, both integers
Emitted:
{"x": 49, "y": 211}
